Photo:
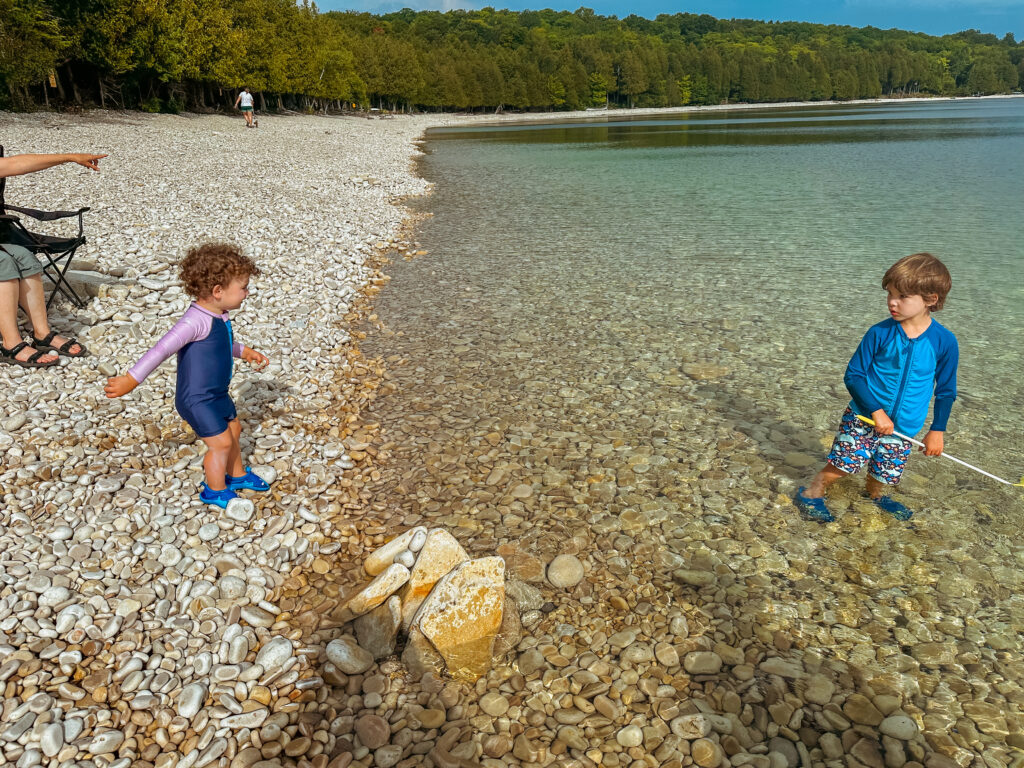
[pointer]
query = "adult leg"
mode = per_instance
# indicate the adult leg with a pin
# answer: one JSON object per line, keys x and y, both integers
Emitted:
{"x": 218, "y": 456}
{"x": 33, "y": 301}
{"x": 9, "y": 294}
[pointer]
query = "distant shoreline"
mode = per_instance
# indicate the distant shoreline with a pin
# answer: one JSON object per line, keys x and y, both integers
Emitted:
{"x": 595, "y": 115}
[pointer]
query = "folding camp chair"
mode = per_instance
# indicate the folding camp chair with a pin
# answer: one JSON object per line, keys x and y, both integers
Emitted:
{"x": 57, "y": 251}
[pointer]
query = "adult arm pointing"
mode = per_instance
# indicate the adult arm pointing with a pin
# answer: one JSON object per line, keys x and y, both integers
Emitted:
{"x": 22, "y": 164}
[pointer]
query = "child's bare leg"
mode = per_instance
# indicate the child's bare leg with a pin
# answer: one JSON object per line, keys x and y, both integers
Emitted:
{"x": 218, "y": 456}
{"x": 875, "y": 489}
{"x": 234, "y": 465}
{"x": 828, "y": 475}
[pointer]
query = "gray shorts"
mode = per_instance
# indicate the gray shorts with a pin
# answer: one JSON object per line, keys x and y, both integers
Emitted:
{"x": 17, "y": 262}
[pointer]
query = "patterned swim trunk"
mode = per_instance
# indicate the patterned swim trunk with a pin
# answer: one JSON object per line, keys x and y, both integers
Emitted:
{"x": 857, "y": 444}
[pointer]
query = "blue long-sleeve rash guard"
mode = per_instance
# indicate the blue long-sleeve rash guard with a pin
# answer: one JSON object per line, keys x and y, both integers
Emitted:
{"x": 899, "y": 375}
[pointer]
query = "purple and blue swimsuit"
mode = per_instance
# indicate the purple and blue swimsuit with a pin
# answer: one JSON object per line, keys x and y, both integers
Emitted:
{"x": 206, "y": 350}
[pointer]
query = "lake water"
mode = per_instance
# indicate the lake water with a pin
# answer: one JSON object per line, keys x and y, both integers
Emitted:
{"x": 645, "y": 322}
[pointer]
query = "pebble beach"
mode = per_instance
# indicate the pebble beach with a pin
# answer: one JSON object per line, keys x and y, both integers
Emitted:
{"x": 649, "y": 623}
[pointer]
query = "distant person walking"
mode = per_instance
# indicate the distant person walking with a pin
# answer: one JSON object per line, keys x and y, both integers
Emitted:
{"x": 244, "y": 103}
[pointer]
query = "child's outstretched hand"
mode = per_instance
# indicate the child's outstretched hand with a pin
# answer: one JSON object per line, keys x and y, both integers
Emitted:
{"x": 933, "y": 443}
{"x": 120, "y": 385}
{"x": 255, "y": 359}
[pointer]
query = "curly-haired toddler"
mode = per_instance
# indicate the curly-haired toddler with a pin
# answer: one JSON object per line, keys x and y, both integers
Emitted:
{"x": 217, "y": 276}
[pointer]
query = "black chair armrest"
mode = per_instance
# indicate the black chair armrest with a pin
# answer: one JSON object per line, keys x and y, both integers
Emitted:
{"x": 45, "y": 215}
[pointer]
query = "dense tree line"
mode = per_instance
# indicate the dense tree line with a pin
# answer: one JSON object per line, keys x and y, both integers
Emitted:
{"x": 195, "y": 54}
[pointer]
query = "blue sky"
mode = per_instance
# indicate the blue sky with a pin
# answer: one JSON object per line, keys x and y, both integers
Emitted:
{"x": 935, "y": 17}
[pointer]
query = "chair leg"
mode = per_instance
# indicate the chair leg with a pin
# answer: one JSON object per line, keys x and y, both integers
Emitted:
{"x": 59, "y": 279}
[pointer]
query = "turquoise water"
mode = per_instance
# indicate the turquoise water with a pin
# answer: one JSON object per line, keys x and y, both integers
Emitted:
{"x": 628, "y": 341}
{"x": 778, "y": 221}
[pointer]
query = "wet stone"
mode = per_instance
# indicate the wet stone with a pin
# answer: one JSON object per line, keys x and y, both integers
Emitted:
{"x": 565, "y": 571}
{"x": 494, "y": 704}
{"x": 899, "y": 727}
{"x": 373, "y": 731}
{"x": 702, "y": 663}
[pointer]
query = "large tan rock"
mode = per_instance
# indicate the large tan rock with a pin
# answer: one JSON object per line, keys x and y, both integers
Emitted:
{"x": 384, "y": 556}
{"x": 462, "y": 616}
{"x": 440, "y": 554}
{"x": 387, "y": 582}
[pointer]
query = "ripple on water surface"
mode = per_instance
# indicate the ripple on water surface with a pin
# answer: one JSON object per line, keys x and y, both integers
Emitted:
{"x": 628, "y": 343}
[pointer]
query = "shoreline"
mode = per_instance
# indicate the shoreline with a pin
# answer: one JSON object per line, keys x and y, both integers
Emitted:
{"x": 556, "y": 118}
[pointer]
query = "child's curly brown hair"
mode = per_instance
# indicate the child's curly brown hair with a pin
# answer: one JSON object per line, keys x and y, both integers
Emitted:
{"x": 213, "y": 264}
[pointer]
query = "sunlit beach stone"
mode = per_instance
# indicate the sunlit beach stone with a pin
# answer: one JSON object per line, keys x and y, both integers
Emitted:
{"x": 346, "y": 655}
{"x": 384, "y": 556}
{"x": 274, "y": 653}
{"x": 385, "y": 584}
{"x": 899, "y": 727}
{"x": 240, "y": 510}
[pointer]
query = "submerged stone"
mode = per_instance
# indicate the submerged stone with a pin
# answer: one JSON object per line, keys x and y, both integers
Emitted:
{"x": 463, "y": 614}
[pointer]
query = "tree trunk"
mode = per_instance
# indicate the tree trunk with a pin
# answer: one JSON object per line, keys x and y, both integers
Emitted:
{"x": 46, "y": 95}
{"x": 103, "y": 95}
{"x": 74, "y": 85}
{"x": 60, "y": 86}
{"x": 263, "y": 103}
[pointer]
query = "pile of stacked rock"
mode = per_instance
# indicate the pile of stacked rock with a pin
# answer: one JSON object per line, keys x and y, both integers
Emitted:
{"x": 425, "y": 586}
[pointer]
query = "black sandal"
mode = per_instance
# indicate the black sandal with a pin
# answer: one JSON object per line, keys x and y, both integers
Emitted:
{"x": 8, "y": 357}
{"x": 46, "y": 346}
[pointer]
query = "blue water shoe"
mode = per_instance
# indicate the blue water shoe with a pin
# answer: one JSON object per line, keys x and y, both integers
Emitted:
{"x": 249, "y": 481}
{"x": 893, "y": 507}
{"x": 217, "y": 498}
{"x": 814, "y": 509}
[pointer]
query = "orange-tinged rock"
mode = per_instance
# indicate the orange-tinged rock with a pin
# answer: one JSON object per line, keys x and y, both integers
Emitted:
{"x": 440, "y": 554}
{"x": 462, "y": 616}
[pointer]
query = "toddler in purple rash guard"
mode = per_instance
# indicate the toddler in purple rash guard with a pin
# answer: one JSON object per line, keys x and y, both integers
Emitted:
{"x": 217, "y": 275}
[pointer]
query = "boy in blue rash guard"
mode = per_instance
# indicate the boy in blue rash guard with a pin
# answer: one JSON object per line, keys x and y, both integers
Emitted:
{"x": 899, "y": 364}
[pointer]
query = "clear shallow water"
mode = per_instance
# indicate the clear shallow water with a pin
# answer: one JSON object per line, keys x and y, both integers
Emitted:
{"x": 648, "y": 322}
{"x": 783, "y": 219}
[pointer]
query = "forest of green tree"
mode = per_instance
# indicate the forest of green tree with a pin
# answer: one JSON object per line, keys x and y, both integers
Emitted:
{"x": 172, "y": 55}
